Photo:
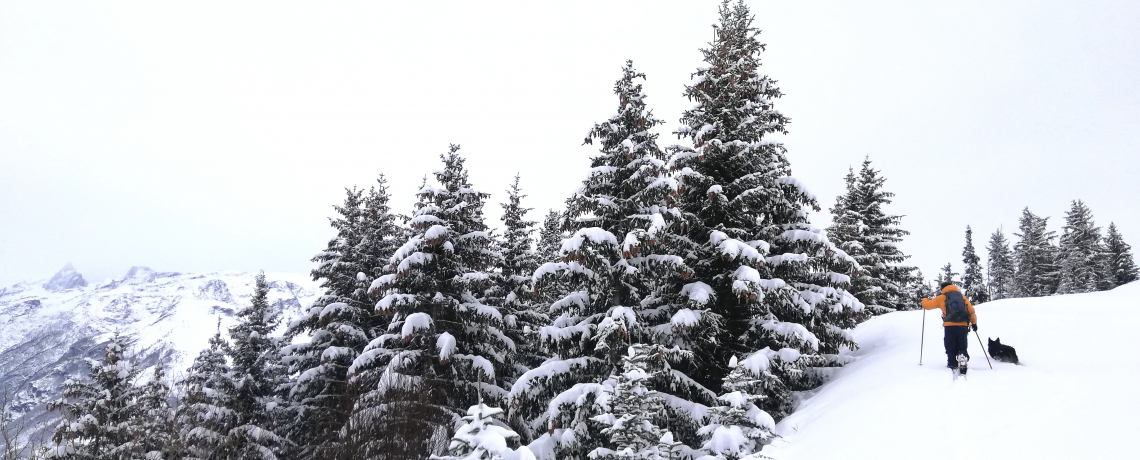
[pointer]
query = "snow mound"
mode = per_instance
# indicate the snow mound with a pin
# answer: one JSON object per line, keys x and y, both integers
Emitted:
{"x": 1074, "y": 396}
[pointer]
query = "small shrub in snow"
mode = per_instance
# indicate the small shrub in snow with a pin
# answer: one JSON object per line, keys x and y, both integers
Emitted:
{"x": 482, "y": 437}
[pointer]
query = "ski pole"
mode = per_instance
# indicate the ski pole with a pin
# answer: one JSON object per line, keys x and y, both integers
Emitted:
{"x": 922, "y": 341}
{"x": 983, "y": 349}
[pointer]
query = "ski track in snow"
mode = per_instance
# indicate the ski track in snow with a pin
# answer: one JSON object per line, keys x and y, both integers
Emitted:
{"x": 1073, "y": 396}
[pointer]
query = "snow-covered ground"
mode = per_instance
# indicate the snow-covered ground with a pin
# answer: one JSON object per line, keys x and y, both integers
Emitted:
{"x": 1076, "y": 394}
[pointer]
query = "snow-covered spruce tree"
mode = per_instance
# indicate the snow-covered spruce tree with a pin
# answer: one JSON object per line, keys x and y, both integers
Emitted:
{"x": 549, "y": 244}
{"x": 522, "y": 309}
{"x": 632, "y": 409}
{"x": 521, "y": 315}
{"x": 919, "y": 288}
{"x": 867, "y": 233}
{"x": 739, "y": 428}
{"x": 1121, "y": 267}
{"x": 973, "y": 284}
{"x": 625, "y": 282}
{"x": 444, "y": 349}
{"x": 340, "y": 323}
{"x": 777, "y": 280}
{"x": 483, "y": 437}
{"x": 846, "y": 233}
{"x": 203, "y": 419}
{"x": 380, "y": 235}
{"x": 1080, "y": 257}
{"x": 157, "y": 433}
{"x": 1034, "y": 257}
{"x": 256, "y": 374}
{"x": 946, "y": 274}
{"x": 100, "y": 418}
{"x": 550, "y": 237}
{"x": 1001, "y": 267}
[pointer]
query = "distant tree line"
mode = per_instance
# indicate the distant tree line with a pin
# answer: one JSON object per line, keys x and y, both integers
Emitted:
{"x": 1082, "y": 259}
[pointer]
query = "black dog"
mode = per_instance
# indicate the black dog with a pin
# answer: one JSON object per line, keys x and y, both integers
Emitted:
{"x": 1004, "y": 353}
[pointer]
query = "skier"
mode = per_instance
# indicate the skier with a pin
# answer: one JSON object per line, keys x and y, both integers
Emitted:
{"x": 957, "y": 319}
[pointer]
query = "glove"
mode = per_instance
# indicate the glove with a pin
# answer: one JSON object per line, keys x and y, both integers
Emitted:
{"x": 974, "y": 327}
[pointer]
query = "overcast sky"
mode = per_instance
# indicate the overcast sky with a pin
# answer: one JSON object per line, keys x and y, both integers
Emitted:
{"x": 202, "y": 136}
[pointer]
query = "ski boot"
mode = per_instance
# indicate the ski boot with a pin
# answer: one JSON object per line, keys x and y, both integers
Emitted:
{"x": 962, "y": 360}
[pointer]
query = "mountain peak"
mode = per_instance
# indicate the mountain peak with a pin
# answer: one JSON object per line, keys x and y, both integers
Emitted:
{"x": 139, "y": 274}
{"x": 65, "y": 278}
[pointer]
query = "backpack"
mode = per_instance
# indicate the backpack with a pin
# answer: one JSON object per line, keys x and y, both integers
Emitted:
{"x": 956, "y": 311}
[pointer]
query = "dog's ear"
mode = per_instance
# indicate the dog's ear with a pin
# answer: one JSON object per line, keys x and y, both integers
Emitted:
{"x": 991, "y": 341}
{"x": 998, "y": 341}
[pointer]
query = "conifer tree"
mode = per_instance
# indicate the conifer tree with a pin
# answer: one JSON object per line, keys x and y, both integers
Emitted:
{"x": 445, "y": 346}
{"x": 1034, "y": 257}
{"x": 632, "y": 409}
{"x": 157, "y": 433}
{"x": 738, "y": 427}
{"x": 973, "y": 284}
{"x": 523, "y": 314}
{"x": 846, "y": 232}
{"x": 552, "y": 290}
{"x": 516, "y": 267}
{"x": 203, "y": 419}
{"x": 1080, "y": 257}
{"x": 919, "y": 288}
{"x": 256, "y": 375}
{"x": 947, "y": 274}
{"x": 340, "y": 324}
{"x": 1001, "y": 267}
{"x": 381, "y": 235}
{"x": 1121, "y": 268}
{"x": 624, "y": 282}
{"x": 550, "y": 237}
{"x": 867, "y": 233}
{"x": 777, "y": 281}
{"x": 318, "y": 396}
{"x": 99, "y": 417}
{"x": 343, "y": 258}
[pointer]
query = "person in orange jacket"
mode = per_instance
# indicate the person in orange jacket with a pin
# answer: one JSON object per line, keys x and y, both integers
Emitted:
{"x": 958, "y": 318}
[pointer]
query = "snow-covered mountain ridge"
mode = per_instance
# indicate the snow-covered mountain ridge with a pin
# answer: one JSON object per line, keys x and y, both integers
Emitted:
{"x": 1074, "y": 396}
{"x": 47, "y": 328}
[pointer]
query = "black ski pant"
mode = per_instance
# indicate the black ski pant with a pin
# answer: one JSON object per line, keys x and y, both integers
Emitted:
{"x": 956, "y": 340}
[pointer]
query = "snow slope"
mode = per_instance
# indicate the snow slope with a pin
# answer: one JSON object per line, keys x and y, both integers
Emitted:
{"x": 1074, "y": 396}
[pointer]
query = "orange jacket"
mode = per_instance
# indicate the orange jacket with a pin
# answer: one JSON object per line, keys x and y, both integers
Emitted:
{"x": 940, "y": 303}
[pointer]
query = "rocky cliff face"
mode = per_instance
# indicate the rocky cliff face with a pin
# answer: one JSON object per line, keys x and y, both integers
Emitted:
{"x": 67, "y": 278}
{"x": 47, "y": 329}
